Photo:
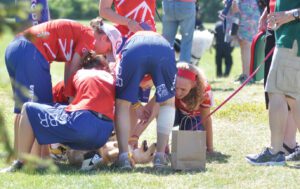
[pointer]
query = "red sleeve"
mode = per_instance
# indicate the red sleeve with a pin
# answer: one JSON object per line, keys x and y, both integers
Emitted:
{"x": 70, "y": 90}
{"x": 208, "y": 97}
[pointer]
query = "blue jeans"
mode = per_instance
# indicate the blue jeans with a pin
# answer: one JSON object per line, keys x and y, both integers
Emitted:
{"x": 183, "y": 15}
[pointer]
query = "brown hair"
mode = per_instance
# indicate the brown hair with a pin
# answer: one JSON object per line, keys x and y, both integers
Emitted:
{"x": 196, "y": 95}
{"x": 92, "y": 60}
{"x": 96, "y": 24}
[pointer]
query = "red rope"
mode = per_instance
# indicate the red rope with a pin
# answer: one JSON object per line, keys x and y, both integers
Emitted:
{"x": 237, "y": 90}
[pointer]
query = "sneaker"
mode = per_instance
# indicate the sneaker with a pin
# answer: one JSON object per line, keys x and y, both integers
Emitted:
{"x": 15, "y": 166}
{"x": 242, "y": 78}
{"x": 295, "y": 156}
{"x": 160, "y": 161}
{"x": 123, "y": 164}
{"x": 288, "y": 149}
{"x": 91, "y": 161}
{"x": 266, "y": 158}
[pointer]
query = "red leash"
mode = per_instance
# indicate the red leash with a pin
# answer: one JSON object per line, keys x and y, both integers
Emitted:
{"x": 236, "y": 91}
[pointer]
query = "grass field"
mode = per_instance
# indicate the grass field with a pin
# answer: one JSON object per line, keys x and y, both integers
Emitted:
{"x": 240, "y": 127}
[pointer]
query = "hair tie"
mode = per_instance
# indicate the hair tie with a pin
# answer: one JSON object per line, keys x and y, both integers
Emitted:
{"x": 185, "y": 73}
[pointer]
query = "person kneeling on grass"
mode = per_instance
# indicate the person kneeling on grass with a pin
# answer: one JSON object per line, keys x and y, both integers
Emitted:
{"x": 85, "y": 124}
{"x": 193, "y": 99}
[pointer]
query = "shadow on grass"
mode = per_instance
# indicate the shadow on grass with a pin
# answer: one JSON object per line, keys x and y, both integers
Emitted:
{"x": 294, "y": 166}
{"x": 222, "y": 89}
{"x": 218, "y": 157}
{"x": 66, "y": 169}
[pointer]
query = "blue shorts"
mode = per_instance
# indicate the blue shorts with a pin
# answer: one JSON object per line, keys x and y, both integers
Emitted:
{"x": 149, "y": 54}
{"x": 29, "y": 72}
{"x": 80, "y": 130}
{"x": 187, "y": 122}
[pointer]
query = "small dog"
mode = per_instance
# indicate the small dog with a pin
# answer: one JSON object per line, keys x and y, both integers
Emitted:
{"x": 108, "y": 154}
{"x": 202, "y": 41}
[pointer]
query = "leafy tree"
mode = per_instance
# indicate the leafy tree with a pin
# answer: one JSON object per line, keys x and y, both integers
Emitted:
{"x": 8, "y": 11}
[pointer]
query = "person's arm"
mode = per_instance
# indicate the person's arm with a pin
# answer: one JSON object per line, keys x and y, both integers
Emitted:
{"x": 72, "y": 67}
{"x": 277, "y": 19}
{"x": 262, "y": 24}
{"x": 105, "y": 11}
{"x": 208, "y": 128}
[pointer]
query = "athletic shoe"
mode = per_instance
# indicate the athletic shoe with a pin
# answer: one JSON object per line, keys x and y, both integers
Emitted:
{"x": 266, "y": 158}
{"x": 91, "y": 161}
{"x": 295, "y": 156}
{"x": 15, "y": 166}
{"x": 160, "y": 161}
{"x": 123, "y": 164}
{"x": 289, "y": 150}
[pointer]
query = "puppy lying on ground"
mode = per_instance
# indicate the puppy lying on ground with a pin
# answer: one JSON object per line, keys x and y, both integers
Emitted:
{"x": 108, "y": 154}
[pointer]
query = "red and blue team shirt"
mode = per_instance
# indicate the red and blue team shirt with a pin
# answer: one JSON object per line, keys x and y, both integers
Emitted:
{"x": 138, "y": 10}
{"x": 92, "y": 90}
{"x": 207, "y": 103}
{"x": 58, "y": 40}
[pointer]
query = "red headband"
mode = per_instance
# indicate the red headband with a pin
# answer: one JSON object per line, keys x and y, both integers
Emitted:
{"x": 185, "y": 73}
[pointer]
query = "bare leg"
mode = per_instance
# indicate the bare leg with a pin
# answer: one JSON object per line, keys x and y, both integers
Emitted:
{"x": 162, "y": 137}
{"x": 278, "y": 113}
{"x": 25, "y": 135}
{"x": 16, "y": 127}
{"x": 122, "y": 124}
{"x": 245, "y": 54}
{"x": 36, "y": 149}
{"x": 290, "y": 131}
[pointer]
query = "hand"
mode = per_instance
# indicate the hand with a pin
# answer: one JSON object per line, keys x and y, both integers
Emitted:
{"x": 134, "y": 26}
{"x": 142, "y": 113}
{"x": 277, "y": 19}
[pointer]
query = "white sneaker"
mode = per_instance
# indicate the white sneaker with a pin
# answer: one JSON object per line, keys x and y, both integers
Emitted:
{"x": 91, "y": 163}
{"x": 160, "y": 161}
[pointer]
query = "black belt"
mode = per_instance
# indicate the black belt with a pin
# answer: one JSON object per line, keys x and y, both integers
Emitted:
{"x": 101, "y": 116}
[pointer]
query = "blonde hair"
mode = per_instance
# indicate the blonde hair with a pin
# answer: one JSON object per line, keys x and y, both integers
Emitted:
{"x": 196, "y": 95}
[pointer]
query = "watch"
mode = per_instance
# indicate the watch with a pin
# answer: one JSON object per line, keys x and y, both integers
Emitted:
{"x": 296, "y": 15}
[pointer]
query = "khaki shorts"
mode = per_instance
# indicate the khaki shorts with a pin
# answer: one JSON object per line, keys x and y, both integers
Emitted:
{"x": 284, "y": 74}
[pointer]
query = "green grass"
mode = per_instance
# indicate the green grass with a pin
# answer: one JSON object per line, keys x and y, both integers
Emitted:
{"x": 240, "y": 127}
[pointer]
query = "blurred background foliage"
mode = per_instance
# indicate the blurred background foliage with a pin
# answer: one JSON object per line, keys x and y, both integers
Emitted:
{"x": 87, "y": 9}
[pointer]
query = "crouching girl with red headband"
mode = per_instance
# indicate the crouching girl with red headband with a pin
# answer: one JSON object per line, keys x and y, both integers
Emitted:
{"x": 193, "y": 100}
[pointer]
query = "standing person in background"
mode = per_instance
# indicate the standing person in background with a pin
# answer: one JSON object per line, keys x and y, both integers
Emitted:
{"x": 245, "y": 15}
{"x": 281, "y": 86}
{"x": 223, "y": 51}
{"x": 289, "y": 143}
{"x": 182, "y": 14}
{"x": 130, "y": 16}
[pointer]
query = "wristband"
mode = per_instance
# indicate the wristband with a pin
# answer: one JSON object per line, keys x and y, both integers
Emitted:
{"x": 136, "y": 105}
